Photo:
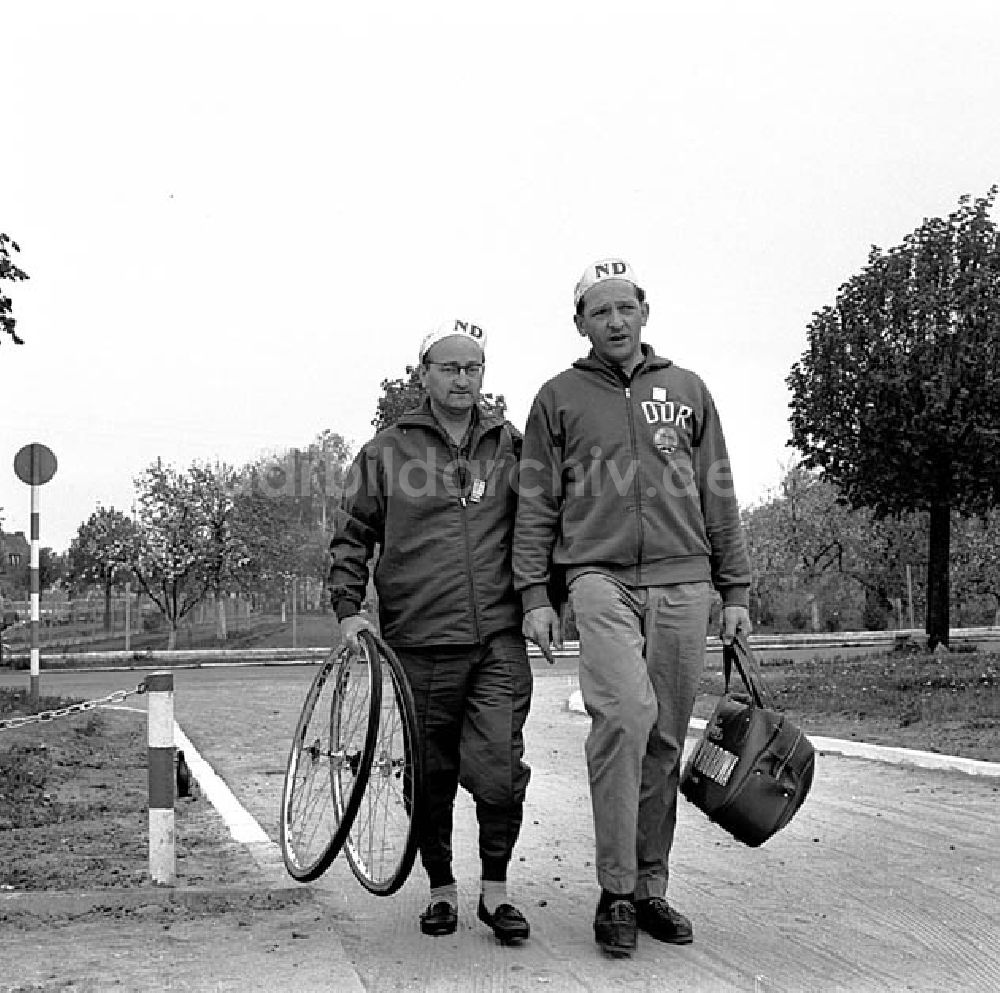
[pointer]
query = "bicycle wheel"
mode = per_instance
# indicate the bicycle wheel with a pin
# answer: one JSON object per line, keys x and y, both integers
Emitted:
{"x": 329, "y": 762}
{"x": 382, "y": 843}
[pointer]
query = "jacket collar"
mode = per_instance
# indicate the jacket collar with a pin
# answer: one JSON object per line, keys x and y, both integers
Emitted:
{"x": 423, "y": 416}
{"x": 650, "y": 361}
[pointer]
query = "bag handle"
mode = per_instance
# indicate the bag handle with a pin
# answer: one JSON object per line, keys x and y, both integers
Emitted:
{"x": 738, "y": 654}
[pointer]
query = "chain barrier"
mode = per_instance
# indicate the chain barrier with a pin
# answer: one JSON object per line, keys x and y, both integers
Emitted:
{"x": 74, "y": 708}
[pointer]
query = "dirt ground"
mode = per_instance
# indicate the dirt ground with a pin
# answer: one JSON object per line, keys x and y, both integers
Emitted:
{"x": 78, "y": 911}
{"x": 73, "y": 814}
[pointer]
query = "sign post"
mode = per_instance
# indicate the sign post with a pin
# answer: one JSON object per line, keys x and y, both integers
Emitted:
{"x": 35, "y": 465}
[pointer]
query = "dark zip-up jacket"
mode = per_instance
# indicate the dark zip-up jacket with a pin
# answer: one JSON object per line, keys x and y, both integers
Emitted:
{"x": 627, "y": 476}
{"x": 445, "y": 526}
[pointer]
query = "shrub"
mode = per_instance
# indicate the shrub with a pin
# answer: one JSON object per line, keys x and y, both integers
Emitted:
{"x": 798, "y": 619}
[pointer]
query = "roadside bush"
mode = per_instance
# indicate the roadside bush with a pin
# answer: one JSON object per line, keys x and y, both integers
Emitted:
{"x": 798, "y": 619}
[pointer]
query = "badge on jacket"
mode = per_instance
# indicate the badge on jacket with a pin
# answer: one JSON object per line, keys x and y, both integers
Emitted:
{"x": 478, "y": 489}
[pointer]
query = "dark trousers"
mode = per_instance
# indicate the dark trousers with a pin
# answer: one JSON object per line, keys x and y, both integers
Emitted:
{"x": 471, "y": 704}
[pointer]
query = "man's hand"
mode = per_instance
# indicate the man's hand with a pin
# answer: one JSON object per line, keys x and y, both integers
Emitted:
{"x": 542, "y": 626}
{"x": 351, "y": 626}
{"x": 734, "y": 619}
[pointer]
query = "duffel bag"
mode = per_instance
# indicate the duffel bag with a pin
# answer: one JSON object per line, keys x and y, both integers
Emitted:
{"x": 753, "y": 767}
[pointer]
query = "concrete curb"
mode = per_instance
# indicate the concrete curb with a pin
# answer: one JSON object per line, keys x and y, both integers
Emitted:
{"x": 862, "y": 749}
{"x": 196, "y": 657}
{"x": 906, "y": 756}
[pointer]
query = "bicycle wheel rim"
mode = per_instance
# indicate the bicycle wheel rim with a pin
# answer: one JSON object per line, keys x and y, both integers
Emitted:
{"x": 334, "y": 742}
{"x": 382, "y": 844}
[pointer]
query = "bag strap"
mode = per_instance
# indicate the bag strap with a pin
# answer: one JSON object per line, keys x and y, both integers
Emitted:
{"x": 738, "y": 654}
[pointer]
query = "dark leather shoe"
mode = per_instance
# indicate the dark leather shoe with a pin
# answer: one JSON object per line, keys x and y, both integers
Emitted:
{"x": 659, "y": 920}
{"x": 508, "y": 922}
{"x": 614, "y": 928}
{"x": 439, "y": 918}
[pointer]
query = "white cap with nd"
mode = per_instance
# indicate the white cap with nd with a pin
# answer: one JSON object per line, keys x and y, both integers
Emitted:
{"x": 465, "y": 329}
{"x": 599, "y": 271}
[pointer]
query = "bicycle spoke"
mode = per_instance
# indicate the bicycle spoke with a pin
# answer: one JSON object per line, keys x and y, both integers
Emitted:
{"x": 381, "y": 845}
{"x": 328, "y": 764}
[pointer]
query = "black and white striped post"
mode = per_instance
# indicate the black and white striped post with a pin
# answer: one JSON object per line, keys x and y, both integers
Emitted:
{"x": 35, "y": 465}
{"x": 162, "y": 863}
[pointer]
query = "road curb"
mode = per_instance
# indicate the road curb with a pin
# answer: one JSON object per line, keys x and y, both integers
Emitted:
{"x": 862, "y": 749}
{"x": 183, "y": 658}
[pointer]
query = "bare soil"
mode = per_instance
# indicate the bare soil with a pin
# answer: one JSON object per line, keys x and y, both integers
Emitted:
{"x": 73, "y": 808}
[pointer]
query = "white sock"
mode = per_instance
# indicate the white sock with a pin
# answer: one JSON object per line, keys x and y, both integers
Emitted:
{"x": 447, "y": 894}
{"x": 494, "y": 893}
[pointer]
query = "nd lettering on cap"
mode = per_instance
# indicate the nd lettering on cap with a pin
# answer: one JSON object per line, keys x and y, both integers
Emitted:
{"x": 465, "y": 329}
{"x": 601, "y": 270}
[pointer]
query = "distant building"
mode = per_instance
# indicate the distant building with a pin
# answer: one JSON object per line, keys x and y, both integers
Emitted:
{"x": 15, "y": 560}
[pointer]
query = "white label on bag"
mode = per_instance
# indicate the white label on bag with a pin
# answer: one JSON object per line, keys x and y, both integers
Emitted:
{"x": 715, "y": 763}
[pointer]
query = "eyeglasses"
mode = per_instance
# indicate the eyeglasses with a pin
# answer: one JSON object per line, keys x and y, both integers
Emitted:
{"x": 455, "y": 369}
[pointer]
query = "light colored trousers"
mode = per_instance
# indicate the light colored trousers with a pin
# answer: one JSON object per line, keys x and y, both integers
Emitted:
{"x": 642, "y": 652}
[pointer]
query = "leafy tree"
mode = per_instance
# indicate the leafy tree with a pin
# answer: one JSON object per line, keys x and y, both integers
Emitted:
{"x": 306, "y": 481}
{"x": 8, "y": 270}
{"x": 101, "y": 553}
{"x": 52, "y": 567}
{"x": 897, "y": 398}
{"x": 225, "y": 552}
{"x": 400, "y": 395}
{"x": 263, "y": 526}
{"x": 285, "y": 504}
{"x": 328, "y": 456}
{"x": 168, "y": 555}
{"x": 975, "y": 560}
{"x": 808, "y": 534}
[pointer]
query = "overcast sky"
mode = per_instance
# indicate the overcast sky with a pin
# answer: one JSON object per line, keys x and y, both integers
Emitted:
{"x": 239, "y": 218}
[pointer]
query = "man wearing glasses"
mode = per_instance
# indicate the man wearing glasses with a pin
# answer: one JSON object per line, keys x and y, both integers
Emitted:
{"x": 436, "y": 492}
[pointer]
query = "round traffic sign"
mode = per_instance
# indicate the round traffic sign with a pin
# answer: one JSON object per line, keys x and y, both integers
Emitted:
{"x": 35, "y": 464}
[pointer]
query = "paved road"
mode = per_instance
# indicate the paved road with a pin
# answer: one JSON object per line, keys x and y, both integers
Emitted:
{"x": 889, "y": 878}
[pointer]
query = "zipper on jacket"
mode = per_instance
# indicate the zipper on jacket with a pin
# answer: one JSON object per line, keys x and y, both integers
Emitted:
{"x": 477, "y": 436}
{"x": 473, "y": 599}
{"x": 638, "y": 482}
{"x": 463, "y": 501}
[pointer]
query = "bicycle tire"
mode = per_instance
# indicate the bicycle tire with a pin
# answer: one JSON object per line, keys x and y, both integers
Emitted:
{"x": 329, "y": 761}
{"x": 381, "y": 845}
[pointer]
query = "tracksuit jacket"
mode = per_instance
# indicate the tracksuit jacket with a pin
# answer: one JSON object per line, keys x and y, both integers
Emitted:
{"x": 444, "y": 521}
{"x": 628, "y": 476}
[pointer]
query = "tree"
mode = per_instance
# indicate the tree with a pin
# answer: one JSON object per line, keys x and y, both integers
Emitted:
{"x": 976, "y": 559}
{"x": 52, "y": 567}
{"x": 168, "y": 555}
{"x": 263, "y": 528}
{"x": 808, "y": 536}
{"x": 284, "y": 506}
{"x": 101, "y": 553}
{"x": 8, "y": 270}
{"x": 328, "y": 456}
{"x": 400, "y": 395}
{"x": 897, "y": 397}
{"x": 224, "y": 553}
